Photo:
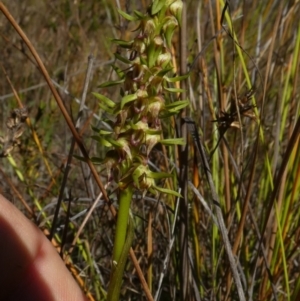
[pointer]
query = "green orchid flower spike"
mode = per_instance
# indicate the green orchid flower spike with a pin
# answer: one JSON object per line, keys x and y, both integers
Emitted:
{"x": 147, "y": 93}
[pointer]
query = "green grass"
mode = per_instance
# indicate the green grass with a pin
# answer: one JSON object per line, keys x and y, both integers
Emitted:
{"x": 256, "y": 173}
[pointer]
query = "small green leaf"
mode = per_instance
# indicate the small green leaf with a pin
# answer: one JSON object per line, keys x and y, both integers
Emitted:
{"x": 122, "y": 58}
{"x": 101, "y": 140}
{"x": 174, "y": 90}
{"x": 167, "y": 114}
{"x": 163, "y": 72}
{"x": 176, "y": 78}
{"x": 111, "y": 83}
{"x": 177, "y": 106}
{"x": 105, "y": 108}
{"x": 175, "y": 141}
{"x": 128, "y": 98}
{"x": 118, "y": 71}
{"x": 105, "y": 100}
{"x": 113, "y": 142}
{"x": 101, "y": 131}
{"x": 168, "y": 191}
{"x": 153, "y": 132}
{"x": 177, "y": 109}
{"x": 122, "y": 43}
{"x": 139, "y": 14}
{"x": 153, "y": 54}
{"x": 126, "y": 16}
{"x": 157, "y": 5}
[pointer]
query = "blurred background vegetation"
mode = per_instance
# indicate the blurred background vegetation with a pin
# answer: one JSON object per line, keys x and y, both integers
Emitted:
{"x": 65, "y": 33}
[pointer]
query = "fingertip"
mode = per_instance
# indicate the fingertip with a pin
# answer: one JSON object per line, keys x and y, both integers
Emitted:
{"x": 31, "y": 269}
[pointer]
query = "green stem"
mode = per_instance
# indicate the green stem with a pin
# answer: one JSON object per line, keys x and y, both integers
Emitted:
{"x": 123, "y": 241}
{"x": 114, "y": 289}
{"x": 122, "y": 222}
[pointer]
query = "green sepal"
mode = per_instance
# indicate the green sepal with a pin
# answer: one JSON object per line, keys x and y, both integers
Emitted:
{"x": 169, "y": 34}
{"x": 126, "y": 16}
{"x": 175, "y": 141}
{"x": 153, "y": 51}
{"x": 169, "y": 28}
{"x": 168, "y": 191}
{"x": 128, "y": 98}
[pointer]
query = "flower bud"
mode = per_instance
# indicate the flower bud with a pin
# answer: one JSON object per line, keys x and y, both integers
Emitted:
{"x": 151, "y": 141}
{"x": 125, "y": 147}
{"x": 146, "y": 183}
{"x": 139, "y": 45}
{"x": 141, "y": 94}
{"x": 148, "y": 27}
{"x": 155, "y": 106}
{"x": 158, "y": 41}
{"x": 169, "y": 26}
{"x": 163, "y": 59}
{"x": 176, "y": 10}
